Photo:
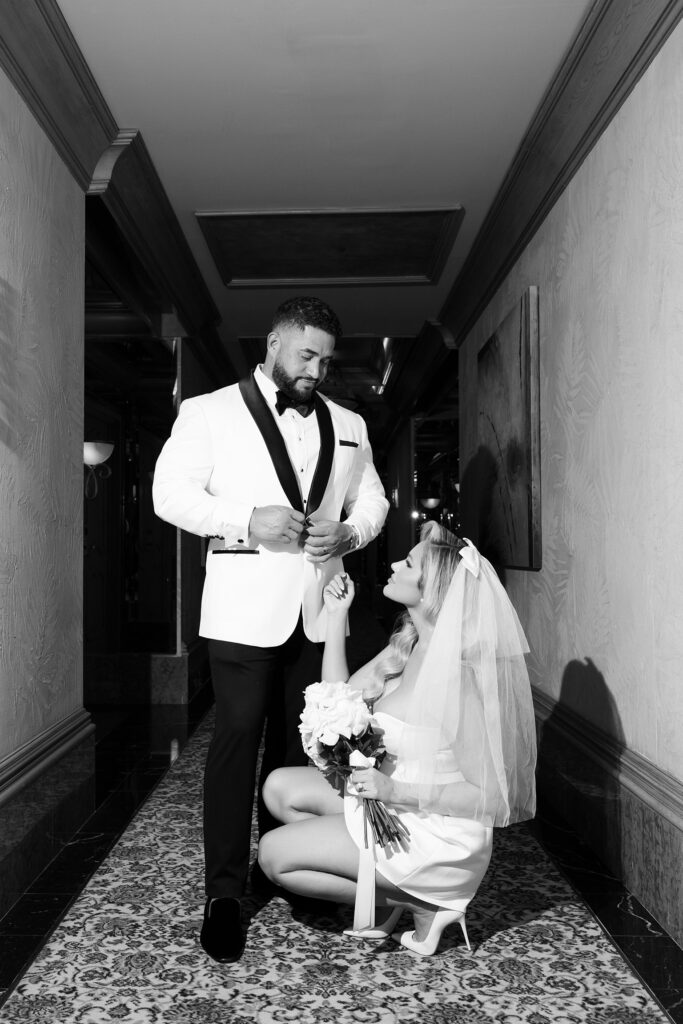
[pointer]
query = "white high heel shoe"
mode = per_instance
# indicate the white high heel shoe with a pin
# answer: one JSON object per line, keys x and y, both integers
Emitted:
{"x": 379, "y": 931}
{"x": 430, "y": 944}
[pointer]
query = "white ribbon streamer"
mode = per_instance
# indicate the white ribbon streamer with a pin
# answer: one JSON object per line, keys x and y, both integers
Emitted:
{"x": 364, "y": 909}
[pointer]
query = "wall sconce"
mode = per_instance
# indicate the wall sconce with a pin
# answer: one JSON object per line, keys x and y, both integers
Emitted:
{"x": 430, "y": 502}
{"x": 95, "y": 454}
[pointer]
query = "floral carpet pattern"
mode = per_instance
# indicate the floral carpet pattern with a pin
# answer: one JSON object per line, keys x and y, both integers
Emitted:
{"x": 127, "y": 949}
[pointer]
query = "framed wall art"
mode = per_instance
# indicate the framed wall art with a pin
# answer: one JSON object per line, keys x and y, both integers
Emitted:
{"x": 508, "y": 431}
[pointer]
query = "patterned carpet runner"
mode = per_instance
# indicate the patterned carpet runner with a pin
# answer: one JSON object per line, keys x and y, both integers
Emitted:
{"x": 127, "y": 949}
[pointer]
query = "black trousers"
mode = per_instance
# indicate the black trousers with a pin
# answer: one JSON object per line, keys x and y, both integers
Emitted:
{"x": 252, "y": 685}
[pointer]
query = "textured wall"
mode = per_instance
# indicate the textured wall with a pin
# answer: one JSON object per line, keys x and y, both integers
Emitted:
{"x": 41, "y": 429}
{"x": 609, "y": 265}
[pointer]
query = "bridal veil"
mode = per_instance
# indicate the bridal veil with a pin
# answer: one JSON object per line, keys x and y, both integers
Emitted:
{"x": 472, "y": 704}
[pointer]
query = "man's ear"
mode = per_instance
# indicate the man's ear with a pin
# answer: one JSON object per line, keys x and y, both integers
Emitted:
{"x": 272, "y": 344}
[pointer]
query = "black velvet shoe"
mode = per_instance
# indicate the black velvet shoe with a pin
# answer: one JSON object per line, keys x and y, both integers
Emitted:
{"x": 221, "y": 935}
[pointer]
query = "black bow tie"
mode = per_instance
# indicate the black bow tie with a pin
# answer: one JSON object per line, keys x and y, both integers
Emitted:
{"x": 283, "y": 401}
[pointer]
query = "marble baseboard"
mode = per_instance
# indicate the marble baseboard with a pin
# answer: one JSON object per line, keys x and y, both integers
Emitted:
{"x": 146, "y": 677}
{"x": 39, "y": 818}
{"x": 637, "y": 838}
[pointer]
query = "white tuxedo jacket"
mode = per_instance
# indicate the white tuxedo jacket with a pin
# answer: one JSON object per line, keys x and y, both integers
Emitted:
{"x": 217, "y": 466}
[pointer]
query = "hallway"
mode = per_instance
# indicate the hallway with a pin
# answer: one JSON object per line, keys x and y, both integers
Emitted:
{"x": 489, "y": 195}
{"x": 108, "y": 932}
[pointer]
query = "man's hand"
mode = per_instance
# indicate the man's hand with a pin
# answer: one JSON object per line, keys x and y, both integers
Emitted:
{"x": 327, "y": 539}
{"x": 276, "y": 523}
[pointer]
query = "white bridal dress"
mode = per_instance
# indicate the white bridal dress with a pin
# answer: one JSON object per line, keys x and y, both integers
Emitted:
{"x": 445, "y": 858}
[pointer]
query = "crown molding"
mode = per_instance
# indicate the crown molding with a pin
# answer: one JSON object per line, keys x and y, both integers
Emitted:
{"x": 125, "y": 181}
{"x": 42, "y": 60}
{"x": 613, "y": 48}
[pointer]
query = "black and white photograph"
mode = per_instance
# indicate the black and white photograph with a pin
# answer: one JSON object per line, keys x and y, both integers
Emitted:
{"x": 341, "y": 477}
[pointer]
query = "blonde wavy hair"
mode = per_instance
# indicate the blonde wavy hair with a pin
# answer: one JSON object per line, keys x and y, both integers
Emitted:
{"x": 440, "y": 558}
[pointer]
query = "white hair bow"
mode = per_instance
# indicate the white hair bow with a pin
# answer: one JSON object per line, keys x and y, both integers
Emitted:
{"x": 470, "y": 557}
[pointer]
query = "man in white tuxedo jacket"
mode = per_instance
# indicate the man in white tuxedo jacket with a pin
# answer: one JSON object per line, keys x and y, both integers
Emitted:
{"x": 264, "y": 469}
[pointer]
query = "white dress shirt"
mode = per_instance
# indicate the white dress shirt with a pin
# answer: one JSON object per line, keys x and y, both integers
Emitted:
{"x": 301, "y": 433}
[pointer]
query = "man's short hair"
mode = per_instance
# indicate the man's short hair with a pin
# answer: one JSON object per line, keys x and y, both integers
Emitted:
{"x": 307, "y": 311}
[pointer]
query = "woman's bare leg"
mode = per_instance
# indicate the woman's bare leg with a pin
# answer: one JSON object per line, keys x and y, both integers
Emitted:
{"x": 316, "y": 856}
{"x": 294, "y": 794}
{"x": 313, "y": 853}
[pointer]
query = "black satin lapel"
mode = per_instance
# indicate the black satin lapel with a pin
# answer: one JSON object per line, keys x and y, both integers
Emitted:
{"x": 325, "y": 458}
{"x": 275, "y": 442}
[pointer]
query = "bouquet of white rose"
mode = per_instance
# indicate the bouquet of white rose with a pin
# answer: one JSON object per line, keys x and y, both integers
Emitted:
{"x": 336, "y": 727}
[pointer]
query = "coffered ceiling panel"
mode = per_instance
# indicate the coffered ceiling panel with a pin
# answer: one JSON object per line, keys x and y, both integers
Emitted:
{"x": 331, "y": 247}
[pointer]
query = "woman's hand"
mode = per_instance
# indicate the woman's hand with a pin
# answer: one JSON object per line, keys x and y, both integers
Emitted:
{"x": 371, "y": 784}
{"x": 339, "y": 593}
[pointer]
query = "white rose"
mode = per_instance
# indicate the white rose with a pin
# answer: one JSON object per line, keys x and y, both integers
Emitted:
{"x": 324, "y": 693}
{"x": 347, "y": 718}
{"x": 332, "y": 710}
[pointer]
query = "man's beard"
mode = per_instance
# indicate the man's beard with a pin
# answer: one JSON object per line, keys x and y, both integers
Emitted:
{"x": 290, "y": 386}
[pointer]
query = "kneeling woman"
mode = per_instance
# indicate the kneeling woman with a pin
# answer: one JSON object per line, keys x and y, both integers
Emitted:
{"x": 451, "y": 694}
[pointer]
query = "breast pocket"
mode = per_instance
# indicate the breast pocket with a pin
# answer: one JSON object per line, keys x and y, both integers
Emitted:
{"x": 345, "y": 459}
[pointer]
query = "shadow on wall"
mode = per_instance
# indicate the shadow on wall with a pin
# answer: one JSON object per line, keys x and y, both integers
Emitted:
{"x": 9, "y": 306}
{"x": 477, "y": 485}
{"x": 579, "y": 761}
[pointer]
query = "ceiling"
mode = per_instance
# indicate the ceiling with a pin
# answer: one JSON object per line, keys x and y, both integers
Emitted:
{"x": 307, "y": 107}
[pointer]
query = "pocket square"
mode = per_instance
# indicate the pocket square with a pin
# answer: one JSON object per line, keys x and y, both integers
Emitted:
{"x": 349, "y": 444}
{"x": 235, "y": 551}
